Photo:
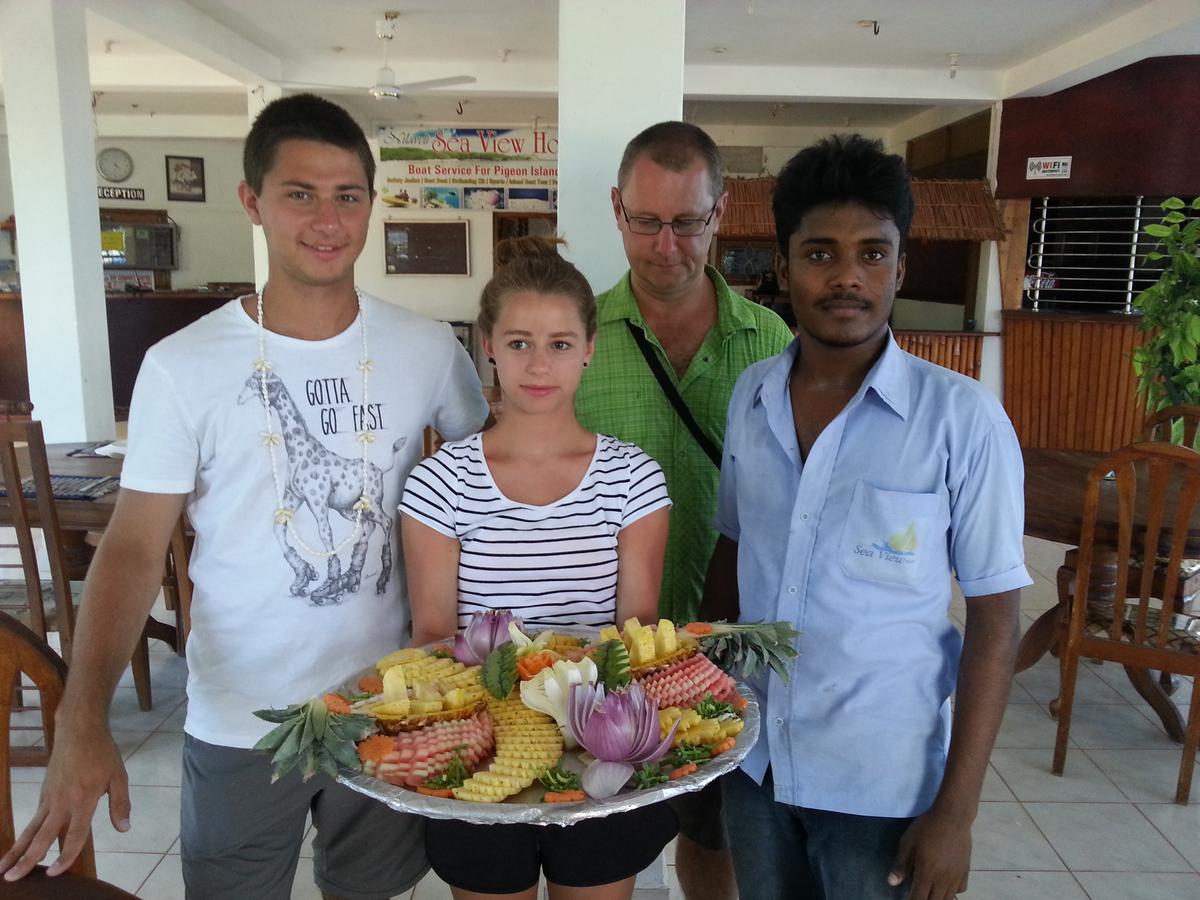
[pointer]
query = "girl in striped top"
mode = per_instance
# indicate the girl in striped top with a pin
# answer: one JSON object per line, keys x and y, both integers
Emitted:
{"x": 563, "y": 527}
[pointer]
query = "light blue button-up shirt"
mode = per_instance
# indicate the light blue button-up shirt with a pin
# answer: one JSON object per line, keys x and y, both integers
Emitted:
{"x": 920, "y": 475}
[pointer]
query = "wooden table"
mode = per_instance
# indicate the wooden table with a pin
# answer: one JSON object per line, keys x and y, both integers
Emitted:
{"x": 78, "y": 517}
{"x": 1055, "y": 482}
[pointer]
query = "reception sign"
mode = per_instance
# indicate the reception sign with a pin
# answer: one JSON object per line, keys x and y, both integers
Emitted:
{"x": 468, "y": 168}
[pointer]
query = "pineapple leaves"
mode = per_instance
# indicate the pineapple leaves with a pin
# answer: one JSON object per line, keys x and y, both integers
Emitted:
{"x": 499, "y": 672}
{"x": 741, "y": 649}
{"x": 314, "y": 739}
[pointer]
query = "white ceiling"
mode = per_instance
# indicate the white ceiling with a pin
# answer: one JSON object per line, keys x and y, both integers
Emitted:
{"x": 783, "y": 62}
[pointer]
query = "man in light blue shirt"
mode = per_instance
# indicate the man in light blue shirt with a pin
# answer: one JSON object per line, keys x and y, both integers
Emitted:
{"x": 856, "y": 478}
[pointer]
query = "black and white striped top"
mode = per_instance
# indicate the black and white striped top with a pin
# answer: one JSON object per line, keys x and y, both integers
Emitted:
{"x": 551, "y": 565}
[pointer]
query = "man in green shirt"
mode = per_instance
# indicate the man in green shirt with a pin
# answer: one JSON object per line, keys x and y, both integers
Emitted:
{"x": 668, "y": 203}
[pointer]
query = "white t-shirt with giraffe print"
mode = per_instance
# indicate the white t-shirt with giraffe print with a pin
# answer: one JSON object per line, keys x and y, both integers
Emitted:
{"x": 272, "y": 622}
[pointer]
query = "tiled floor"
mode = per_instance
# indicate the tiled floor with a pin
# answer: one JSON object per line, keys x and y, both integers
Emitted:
{"x": 1108, "y": 830}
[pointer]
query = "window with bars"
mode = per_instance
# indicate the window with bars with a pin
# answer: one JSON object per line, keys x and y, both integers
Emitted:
{"x": 1089, "y": 255}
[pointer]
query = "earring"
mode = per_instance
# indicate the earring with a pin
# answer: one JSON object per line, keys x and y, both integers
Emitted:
{"x": 492, "y": 360}
{"x": 585, "y": 364}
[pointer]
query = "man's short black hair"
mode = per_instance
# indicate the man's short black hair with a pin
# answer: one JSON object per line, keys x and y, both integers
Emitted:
{"x": 841, "y": 169}
{"x": 302, "y": 117}
{"x": 675, "y": 146}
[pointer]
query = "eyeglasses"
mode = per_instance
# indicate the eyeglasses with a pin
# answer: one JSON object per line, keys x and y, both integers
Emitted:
{"x": 681, "y": 227}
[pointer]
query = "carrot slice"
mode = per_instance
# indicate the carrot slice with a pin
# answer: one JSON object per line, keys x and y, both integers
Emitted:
{"x": 572, "y": 796}
{"x": 728, "y": 744}
{"x": 376, "y": 747}
{"x": 531, "y": 664}
{"x": 685, "y": 769}
{"x": 435, "y": 792}
{"x": 698, "y": 628}
{"x": 739, "y": 702}
{"x": 370, "y": 684}
{"x": 337, "y": 703}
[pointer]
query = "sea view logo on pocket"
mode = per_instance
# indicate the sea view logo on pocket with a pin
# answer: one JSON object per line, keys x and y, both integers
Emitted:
{"x": 900, "y": 549}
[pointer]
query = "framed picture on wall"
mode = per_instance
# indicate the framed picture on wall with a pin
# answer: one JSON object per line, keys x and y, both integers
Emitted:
{"x": 426, "y": 247}
{"x": 185, "y": 178}
{"x": 743, "y": 261}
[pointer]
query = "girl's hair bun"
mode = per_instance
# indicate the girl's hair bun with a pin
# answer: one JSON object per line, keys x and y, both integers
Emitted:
{"x": 532, "y": 246}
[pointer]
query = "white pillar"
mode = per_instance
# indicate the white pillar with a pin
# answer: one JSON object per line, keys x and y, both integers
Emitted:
{"x": 991, "y": 363}
{"x": 257, "y": 98}
{"x": 620, "y": 69}
{"x": 52, "y": 149}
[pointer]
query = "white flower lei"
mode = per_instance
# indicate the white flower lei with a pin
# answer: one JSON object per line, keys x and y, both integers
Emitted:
{"x": 272, "y": 439}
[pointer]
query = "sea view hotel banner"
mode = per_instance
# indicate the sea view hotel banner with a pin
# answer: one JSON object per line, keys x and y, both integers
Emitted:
{"x": 468, "y": 168}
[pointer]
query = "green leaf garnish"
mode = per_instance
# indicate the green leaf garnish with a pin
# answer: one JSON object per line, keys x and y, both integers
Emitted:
{"x": 612, "y": 664}
{"x": 648, "y": 776}
{"x": 454, "y": 776}
{"x": 557, "y": 778}
{"x": 499, "y": 672}
{"x": 709, "y": 708}
{"x": 689, "y": 753}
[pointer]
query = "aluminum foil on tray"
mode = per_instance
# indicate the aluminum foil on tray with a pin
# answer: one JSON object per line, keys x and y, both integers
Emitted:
{"x": 526, "y": 808}
{"x": 662, "y": 712}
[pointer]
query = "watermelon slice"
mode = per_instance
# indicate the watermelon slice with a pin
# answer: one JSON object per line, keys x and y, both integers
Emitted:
{"x": 685, "y": 683}
{"x": 420, "y": 755}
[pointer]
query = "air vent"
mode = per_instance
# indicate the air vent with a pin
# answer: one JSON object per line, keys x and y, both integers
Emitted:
{"x": 743, "y": 160}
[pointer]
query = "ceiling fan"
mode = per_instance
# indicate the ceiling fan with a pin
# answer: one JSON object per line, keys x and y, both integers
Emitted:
{"x": 385, "y": 86}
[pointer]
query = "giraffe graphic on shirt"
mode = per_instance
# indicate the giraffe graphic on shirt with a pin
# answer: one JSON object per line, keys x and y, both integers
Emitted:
{"x": 328, "y": 484}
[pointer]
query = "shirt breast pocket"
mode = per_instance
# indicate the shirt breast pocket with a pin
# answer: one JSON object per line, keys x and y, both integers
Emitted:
{"x": 894, "y": 537}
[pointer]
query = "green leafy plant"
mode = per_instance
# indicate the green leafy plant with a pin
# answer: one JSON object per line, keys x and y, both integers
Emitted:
{"x": 1167, "y": 365}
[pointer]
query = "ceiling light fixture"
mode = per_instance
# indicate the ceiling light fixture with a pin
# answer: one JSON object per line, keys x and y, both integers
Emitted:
{"x": 873, "y": 24}
{"x": 953, "y": 57}
{"x": 719, "y": 50}
{"x": 504, "y": 52}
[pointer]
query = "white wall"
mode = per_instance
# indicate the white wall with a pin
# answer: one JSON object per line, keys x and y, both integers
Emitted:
{"x": 925, "y": 315}
{"x": 214, "y": 235}
{"x": 779, "y": 143}
{"x": 6, "y": 197}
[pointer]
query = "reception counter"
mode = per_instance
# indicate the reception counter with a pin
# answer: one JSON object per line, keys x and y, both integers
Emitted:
{"x": 136, "y": 321}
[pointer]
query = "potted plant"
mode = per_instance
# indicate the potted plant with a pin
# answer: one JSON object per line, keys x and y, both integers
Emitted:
{"x": 1167, "y": 364}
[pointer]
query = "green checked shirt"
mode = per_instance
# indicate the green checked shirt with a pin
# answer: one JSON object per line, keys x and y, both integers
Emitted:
{"x": 619, "y": 396}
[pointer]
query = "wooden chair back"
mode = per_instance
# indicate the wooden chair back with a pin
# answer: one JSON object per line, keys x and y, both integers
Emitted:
{"x": 23, "y": 652}
{"x": 28, "y": 432}
{"x": 1163, "y": 480}
{"x": 1160, "y": 426}
{"x": 1167, "y": 478}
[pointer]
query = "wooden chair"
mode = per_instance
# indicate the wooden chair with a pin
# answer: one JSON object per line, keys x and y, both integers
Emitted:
{"x": 1165, "y": 480}
{"x": 29, "y": 433}
{"x": 1166, "y": 425}
{"x": 24, "y": 653}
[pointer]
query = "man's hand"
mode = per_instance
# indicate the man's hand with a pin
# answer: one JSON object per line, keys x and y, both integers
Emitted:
{"x": 83, "y": 767}
{"x": 934, "y": 857}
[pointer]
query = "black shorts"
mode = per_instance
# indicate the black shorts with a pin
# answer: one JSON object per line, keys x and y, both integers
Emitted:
{"x": 702, "y": 816}
{"x": 505, "y": 859}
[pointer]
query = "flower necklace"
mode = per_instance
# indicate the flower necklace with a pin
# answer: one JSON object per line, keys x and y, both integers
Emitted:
{"x": 272, "y": 439}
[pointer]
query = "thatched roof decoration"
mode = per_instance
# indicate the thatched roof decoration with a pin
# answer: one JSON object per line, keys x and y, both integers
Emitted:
{"x": 947, "y": 210}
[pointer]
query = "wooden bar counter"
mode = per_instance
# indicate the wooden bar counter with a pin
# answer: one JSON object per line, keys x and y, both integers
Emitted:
{"x": 1068, "y": 379}
{"x": 136, "y": 321}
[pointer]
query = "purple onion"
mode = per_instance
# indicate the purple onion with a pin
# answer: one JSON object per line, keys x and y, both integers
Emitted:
{"x": 484, "y": 633}
{"x": 620, "y": 729}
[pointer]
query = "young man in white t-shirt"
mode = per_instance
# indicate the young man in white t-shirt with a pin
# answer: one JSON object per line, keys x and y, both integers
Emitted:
{"x": 286, "y": 423}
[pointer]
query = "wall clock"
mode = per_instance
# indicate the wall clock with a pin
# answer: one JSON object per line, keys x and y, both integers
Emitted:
{"x": 114, "y": 164}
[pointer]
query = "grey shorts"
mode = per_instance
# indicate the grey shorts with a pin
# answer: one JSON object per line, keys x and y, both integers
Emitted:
{"x": 241, "y": 835}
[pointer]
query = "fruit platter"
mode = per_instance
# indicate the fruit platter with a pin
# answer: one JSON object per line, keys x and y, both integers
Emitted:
{"x": 498, "y": 725}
